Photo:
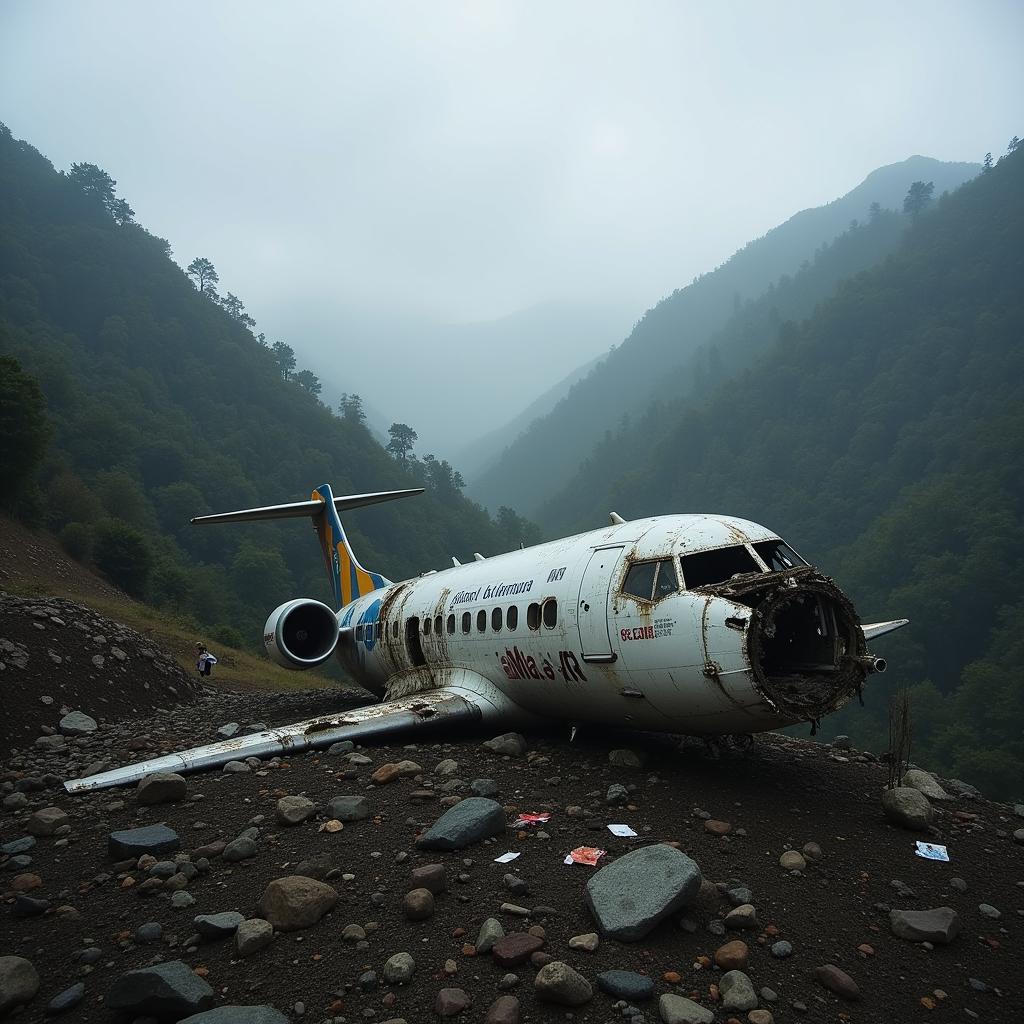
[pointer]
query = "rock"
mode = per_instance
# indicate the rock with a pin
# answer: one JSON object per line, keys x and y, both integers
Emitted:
{"x": 617, "y": 795}
{"x": 630, "y": 896}
{"x": 428, "y": 876}
{"x": 842, "y": 743}
{"x": 963, "y": 789}
{"x": 732, "y": 956}
{"x": 838, "y": 981}
{"x": 66, "y": 1000}
{"x": 180, "y": 900}
{"x": 151, "y": 931}
{"x": 717, "y": 828}
{"x": 737, "y": 991}
{"x": 792, "y": 861}
{"x": 907, "y": 808}
{"x": 318, "y": 867}
{"x": 418, "y": 904}
{"x": 236, "y": 768}
{"x": 626, "y": 985}
{"x": 515, "y": 885}
{"x": 782, "y": 949}
{"x": 53, "y": 744}
{"x": 218, "y": 926}
{"x": 587, "y": 942}
{"x": 253, "y": 935}
{"x": 446, "y": 767}
{"x": 484, "y": 787}
{"x": 389, "y": 772}
{"x": 468, "y": 822}
{"x": 490, "y": 931}
{"x": 760, "y": 1016}
{"x": 987, "y": 910}
{"x": 517, "y": 948}
{"x": 680, "y": 1010}
{"x": 77, "y": 723}
{"x": 925, "y": 783}
{"x": 504, "y": 1010}
{"x": 624, "y": 758}
{"x": 558, "y": 983}
{"x": 399, "y": 969}
{"x": 294, "y": 810}
{"x": 228, "y": 730}
{"x": 161, "y": 788}
{"x": 16, "y": 846}
{"x": 46, "y": 821}
{"x": 167, "y": 991}
{"x": 348, "y": 808}
{"x": 742, "y": 917}
{"x": 135, "y": 842}
{"x": 19, "y": 982}
{"x": 508, "y": 743}
{"x": 341, "y": 747}
{"x": 238, "y": 849}
{"x": 812, "y": 852}
{"x": 296, "y": 902}
{"x": 941, "y": 925}
{"x": 238, "y": 1015}
{"x": 452, "y": 1001}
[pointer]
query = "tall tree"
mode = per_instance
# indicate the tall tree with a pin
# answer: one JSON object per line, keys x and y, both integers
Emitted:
{"x": 202, "y": 271}
{"x": 24, "y": 428}
{"x": 235, "y": 308}
{"x": 403, "y": 437}
{"x": 351, "y": 408}
{"x": 308, "y": 381}
{"x": 987, "y": 163}
{"x": 100, "y": 186}
{"x": 919, "y": 195}
{"x": 284, "y": 356}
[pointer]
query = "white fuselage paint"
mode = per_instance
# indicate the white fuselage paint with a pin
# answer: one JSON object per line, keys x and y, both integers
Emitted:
{"x": 607, "y": 657}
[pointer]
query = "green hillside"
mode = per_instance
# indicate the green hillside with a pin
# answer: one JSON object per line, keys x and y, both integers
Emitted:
{"x": 544, "y": 457}
{"x": 162, "y": 405}
{"x": 883, "y": 437}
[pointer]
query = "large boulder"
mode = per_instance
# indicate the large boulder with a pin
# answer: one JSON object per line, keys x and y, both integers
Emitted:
{"x": 166, "y": 991}
{"x": 19, "y": 982}
{"x": 77, "y": 723}
{"x": 907, "y": 807}
{"x": 296, "y": 902}
{"x": 632, "y": 894}
{"x": 469, "y": 821}
{"x": 238, "y": 1015}
{"x": 925, "y": 783}
{"x": 161, "y": 788}
{"x": 941, "y": 925}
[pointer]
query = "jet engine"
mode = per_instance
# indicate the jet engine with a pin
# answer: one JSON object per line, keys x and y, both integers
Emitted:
{"x": 301, "y": 634}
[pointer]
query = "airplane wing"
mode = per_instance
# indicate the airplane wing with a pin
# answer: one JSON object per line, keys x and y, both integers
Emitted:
{"x": 451, "y": 705}
{"x": 875, "y": 629}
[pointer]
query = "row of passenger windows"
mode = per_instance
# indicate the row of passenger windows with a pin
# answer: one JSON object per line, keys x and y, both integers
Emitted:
{"x": 500, "y": 618}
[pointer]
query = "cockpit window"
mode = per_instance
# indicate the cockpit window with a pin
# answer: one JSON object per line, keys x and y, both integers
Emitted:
{"x": 705, "y": 568}
{"x": 778, "y": 555}
{"x": 651, "y": 581}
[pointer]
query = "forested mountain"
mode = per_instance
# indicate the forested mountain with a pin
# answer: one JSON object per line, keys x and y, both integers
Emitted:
{"x": 163, "y": 405}
{"x": 883, "y": 437}
{"x": 546, "y": 455}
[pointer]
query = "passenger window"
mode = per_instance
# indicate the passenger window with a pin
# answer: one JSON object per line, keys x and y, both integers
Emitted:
{"x": 451, "y": 624}
{"x": 481, "y": 621}
{"x": 550, "y": 613}
{"x": 640, "y": 580}
{"x": 360, "y": 630}
{"x": 533, "y": 616}
{"x": 370, "y": 630}
{"x": 467, "y": 622}
{"x": 437, "y": 624}
{"x": 496, "y": 620}
{"x": 668, "y": 582}
{"x": 706, "y": 568}
{"x": 512, "y": 617}
{"x": 426, "y": 626}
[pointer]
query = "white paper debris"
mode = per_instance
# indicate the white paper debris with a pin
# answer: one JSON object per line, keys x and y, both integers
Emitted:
{"x": 505, "y": 858}
{"x": 931, "y": 851}
{"x": 621, "y": 830}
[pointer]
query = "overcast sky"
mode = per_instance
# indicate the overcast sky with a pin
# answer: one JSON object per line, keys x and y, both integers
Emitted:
{"x": 452, "y": 162}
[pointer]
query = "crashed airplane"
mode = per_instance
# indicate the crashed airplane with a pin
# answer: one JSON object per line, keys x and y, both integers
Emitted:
{"x": 703, "y": 625}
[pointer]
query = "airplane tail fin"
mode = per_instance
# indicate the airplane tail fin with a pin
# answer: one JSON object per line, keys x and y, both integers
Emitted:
{"x": 348, "y": 578}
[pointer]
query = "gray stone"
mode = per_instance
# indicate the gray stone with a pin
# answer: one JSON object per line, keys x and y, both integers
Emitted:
{"x": 737, "y": 991}
{"x": 468, "y": 822}
{"x": 238, "y": 849}
{"x": 15, "y": 846}
{"x": 842, "y": 743}
{"x": 348, "y": 808}
{"x": 490, "y": 931}
{"x": 134, "y": 842}
{"x": 238, "y": 1015}
{"x": 19, "y": 982}
{"x": 908, "y": 808}
{"x": 218, "y": 926}
{"x": 962, "y": 789}
{"x": 294, "y": 810}
{"x": 924, "y": 782}
{"x": 53, "y": 744}
{"x": 341, "y": 747}
{"x": 504, "y": 1010}
{"x": 66, "y": 1000}
{"x": 167, "y": 991}
{"x": 626, "y": 985}
{"x": 161, "y": 788}
{"x": 617, "y": 795}
{"x": 792, "y": 861}
{"x": 253, "y": 935}
{"x": 452, "y": 1001}
{"x": 46, "y": 821}
{"x": 680, "y": 1010}
{"x": 742, "y": 917}
{"x": 236, "y": 768}
{"x": 399, "y": 969}
{"x": 510, "y": 743}
{"x": 987, "y": 910}
{"x": 782, "y": 949}
{"x": 446, "y": 767}
{"x": 941, "y": 925}
{"x": 558, "y": 983}
{"x": 484, "y": 787}
{"x": 632, "y": 894}
{"x": 151, "y": 931}
{"x": 626, "y": 759}
{"x": 295, "y": 902}
{"x": 229, "y": 730}
{"x": 77, "y": 723}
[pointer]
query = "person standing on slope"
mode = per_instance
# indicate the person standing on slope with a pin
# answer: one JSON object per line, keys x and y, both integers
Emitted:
{"x": 204, "y": 660}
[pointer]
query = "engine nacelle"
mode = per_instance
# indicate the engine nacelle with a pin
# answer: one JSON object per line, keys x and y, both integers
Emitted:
{"x": 301, "y": 634}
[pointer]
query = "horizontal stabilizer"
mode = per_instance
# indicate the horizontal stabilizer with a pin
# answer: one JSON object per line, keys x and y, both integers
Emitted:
{"x": 875, "y": 629}
{"x": 297, "y": 509}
